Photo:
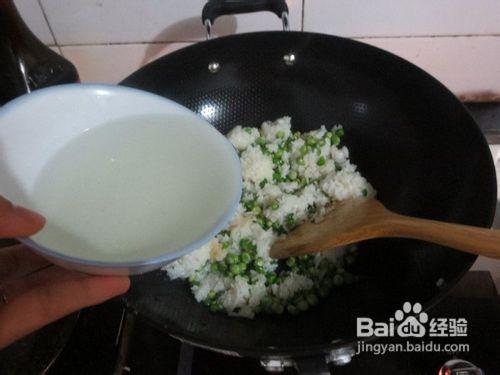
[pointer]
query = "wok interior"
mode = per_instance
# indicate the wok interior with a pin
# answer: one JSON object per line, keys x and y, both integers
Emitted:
{"x": 408, "y": 135}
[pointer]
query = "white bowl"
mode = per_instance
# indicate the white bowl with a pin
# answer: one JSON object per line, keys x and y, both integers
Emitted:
{"x": 36, "y": 127}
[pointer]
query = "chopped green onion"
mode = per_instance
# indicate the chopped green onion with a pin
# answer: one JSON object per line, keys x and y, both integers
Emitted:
{"x": 271, "y": 278}
{"x": 256, "y": 209}
{"x": 248, "y": 130}
{"x": 339, "y": 132}
{"x": 301, "y": 161}
{"x": 275, "y": 206}
{"x": 365, "y": 192}
{"x": 303, "y": 150}
{"x": 263, "y": 183}
{"x": 280, "y": 134}
{"x": 277, "y": 177}
{"x": 212, "y": 294}
{"x": 321, "y": 161}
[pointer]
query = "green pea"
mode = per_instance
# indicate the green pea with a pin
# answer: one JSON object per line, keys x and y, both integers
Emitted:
{"x": 303, "y": 149}
{"x": 328, "y": 134}
{"x": 259, "y": 269}
{"x": 323, "y": 291}
{"x": 339, "y": 132}
{"x": 277, "y": 177}
{"x": 280, "y": 134}
{"x": 263, "y": 222}
{"x": 226, "y": 244}
{"x": 193, "y": 280}
{"x": 277, "y": 160}
{"x": 322, "y": 142}
{"x": 248, "y": 130}
{"x": 327, "y": 282}
{"x": 349, "y": 259}
{"x": 338, "y": 280}
{"x": 235, "y": 269}
{"x": 245, "y": 258}
{"x": 296, "y": 135}
{"x": 301, "y": 161}
{"x": 275, "y": 206}
{"x": 231, "y": 258}
{"x": 222, "y": 267}
{"x": 302, "y": 305}
{"x": 292, "y": 310}
{"x": 271, "y": 277}
{"x": 214, "y": 267}
{"x": 259, "y": 262}
{"x": 292, "y": 175}
{"x": 312, "y": 299}
{"x": 348, "y": 278}
{"x": 279, "y": 153}
{"x": 246, "y": 244}
{"x": 311, "y": 141}
{"x": 211, "y": 294}
{"x": 256, "y": 209}
{"x": 277, "y": 308}
{"x": 290, "y": 262}
{"x": 321, "y": 161}
{"x": 335, "y": 139}
{"x": 261, "y": 141}
{"x": 216, "y": 307}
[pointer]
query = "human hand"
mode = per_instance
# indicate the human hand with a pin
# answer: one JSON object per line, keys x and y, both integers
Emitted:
{"x": 33, "y": 292}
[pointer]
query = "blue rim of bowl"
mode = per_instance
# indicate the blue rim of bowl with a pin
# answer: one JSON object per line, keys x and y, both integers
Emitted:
{"x": 221, "y": 223}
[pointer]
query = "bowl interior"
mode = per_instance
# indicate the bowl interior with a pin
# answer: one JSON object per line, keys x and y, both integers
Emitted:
{"x": 40, "y": 131}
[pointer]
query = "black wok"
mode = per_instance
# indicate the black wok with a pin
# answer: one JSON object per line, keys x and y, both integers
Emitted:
{"x": 411, "y": 138}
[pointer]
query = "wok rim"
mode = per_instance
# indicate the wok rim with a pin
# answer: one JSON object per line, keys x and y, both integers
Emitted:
{"x": 316, "y": 349}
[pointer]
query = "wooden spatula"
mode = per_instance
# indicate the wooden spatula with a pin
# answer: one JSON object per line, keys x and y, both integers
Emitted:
{"x": 363, "y": 219}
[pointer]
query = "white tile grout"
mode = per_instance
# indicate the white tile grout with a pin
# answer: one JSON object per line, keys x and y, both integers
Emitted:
{"x": 48, "y": 24}
{"x": 356, "y": 38}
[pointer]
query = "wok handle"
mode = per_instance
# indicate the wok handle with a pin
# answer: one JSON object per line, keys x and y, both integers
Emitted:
{"x": 216, "y": 8}
{"x": 480, "y": 241}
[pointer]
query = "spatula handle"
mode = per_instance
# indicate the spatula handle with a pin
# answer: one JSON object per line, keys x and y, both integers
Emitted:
{"x": 480, "y": 241}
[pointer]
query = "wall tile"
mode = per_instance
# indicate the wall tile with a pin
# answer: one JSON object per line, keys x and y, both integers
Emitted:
{"x": 358, "y": 18}
{"x": 33, "y": 16}
{"x": 468, "y": 66}
{"x": 112, "y": 63}
{"x": 131, "y": 21}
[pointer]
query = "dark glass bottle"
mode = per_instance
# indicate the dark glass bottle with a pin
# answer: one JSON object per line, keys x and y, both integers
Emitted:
{"x": 26, "y": 64}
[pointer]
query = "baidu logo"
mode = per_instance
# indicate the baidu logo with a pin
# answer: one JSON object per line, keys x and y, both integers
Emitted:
{"x": 411, "y": 321}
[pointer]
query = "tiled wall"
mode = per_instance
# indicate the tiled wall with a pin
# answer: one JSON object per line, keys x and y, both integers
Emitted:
{"x": 458, "y": 41}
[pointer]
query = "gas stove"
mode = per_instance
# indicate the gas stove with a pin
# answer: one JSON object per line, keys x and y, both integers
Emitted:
{"x": 107, "y": 339}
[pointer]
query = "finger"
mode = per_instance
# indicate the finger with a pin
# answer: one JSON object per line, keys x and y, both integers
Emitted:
{"x": 46, "y": 276}
{"x": 17, "y": 261}
{"x": 48, "y": 303}
{"x": 18, "y": 221}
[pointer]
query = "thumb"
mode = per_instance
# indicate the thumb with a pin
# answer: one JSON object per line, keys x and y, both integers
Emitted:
{"x": 18, "y": 221}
